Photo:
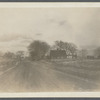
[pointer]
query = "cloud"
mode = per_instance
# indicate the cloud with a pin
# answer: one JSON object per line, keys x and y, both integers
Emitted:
{"x": 20, "y": 26}
{"x": 90, "y": 31}
{"x": 15, "y": 45}
{"x": 62, "y": 22}
{"x": 38, "y": 34}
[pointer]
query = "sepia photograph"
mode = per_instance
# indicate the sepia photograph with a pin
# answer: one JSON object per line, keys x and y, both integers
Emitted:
{"x": 49, "y": 49}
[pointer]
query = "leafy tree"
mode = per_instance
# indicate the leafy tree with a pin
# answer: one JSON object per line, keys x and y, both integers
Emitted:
{"x": 38, "y": 49}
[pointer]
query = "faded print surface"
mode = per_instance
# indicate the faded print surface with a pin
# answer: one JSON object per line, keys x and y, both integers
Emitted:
{"x": 49, "y": 49}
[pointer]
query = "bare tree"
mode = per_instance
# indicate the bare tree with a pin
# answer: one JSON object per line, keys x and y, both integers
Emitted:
{"x": 72, "y": 48}
{"x": 9, "y": 55}
{"x": 66, "y": 46}
{"x": 69, "y": 47}
{"x": 83, "y": 53}
{"x": 19, "y": 55}
{"x": 59, "y": 44}
{"x": 38, "y": 49}
{"x": 97, "y": 52}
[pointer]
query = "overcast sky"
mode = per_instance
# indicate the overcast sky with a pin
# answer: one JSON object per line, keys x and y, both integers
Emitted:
{"x": 20, "y": 26}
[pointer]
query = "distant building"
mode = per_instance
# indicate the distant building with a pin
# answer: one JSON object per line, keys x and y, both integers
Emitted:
{"x": 90, "y": 57}
{"x": 57, "y": 54}
{"x": 60, "y": 54}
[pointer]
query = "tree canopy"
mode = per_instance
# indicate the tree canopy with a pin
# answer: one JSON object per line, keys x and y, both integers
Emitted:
{"x": 38, "y": 49}
{"x": 70, "y": 47}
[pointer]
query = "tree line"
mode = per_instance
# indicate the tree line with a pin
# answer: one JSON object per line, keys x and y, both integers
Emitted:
{"x": 38, "y": 50}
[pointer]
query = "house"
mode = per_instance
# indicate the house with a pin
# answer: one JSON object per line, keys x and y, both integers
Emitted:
{"x": 56, "y": 54}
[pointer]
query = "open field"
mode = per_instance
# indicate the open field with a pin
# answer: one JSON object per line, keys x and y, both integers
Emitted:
{"x": 49, "y": 76}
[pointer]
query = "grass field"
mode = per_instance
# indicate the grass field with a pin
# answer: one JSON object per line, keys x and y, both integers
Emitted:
{"x": 89, "y": 69}
{"x": 86, "y": 70}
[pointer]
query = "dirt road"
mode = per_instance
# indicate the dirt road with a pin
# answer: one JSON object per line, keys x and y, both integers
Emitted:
{"x": 29, "y": 76}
